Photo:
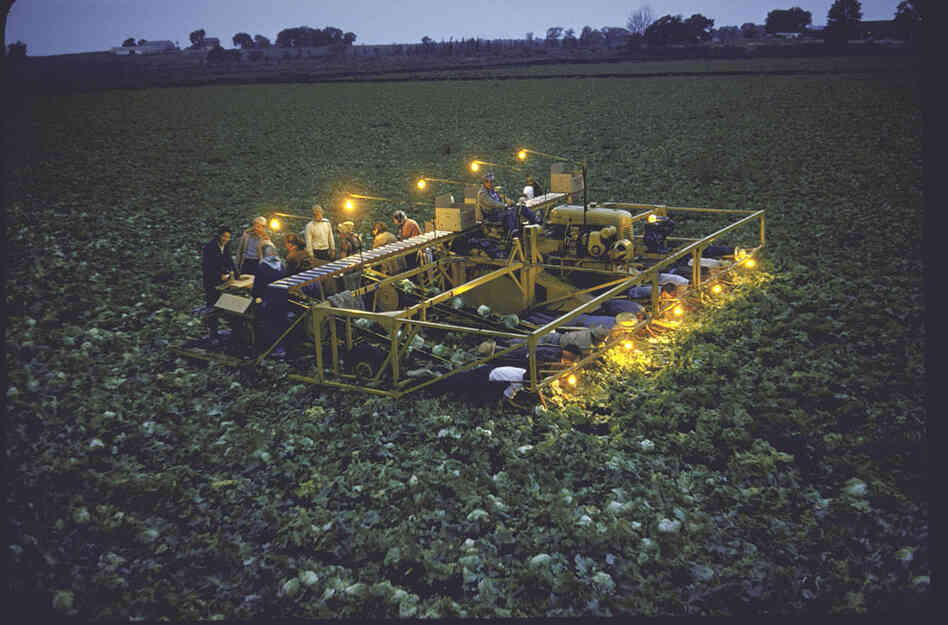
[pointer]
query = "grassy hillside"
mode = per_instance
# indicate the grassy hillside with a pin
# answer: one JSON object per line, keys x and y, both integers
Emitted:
{"x": 787, "y": 428}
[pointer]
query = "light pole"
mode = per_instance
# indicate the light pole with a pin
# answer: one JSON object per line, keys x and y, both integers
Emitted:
{"x": 424, "y": 180}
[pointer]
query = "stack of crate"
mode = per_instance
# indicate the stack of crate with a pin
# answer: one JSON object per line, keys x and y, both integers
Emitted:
{"x": 451, "y": 216}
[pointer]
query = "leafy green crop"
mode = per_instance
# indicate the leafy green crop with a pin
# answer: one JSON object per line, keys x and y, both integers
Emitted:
{"x": 769, "y": 458}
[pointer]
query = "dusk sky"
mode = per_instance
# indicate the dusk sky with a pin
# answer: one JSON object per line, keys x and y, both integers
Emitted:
{"x": 68, "y": 26}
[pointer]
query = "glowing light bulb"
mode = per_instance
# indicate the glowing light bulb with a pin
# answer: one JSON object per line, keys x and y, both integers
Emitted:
{"x": 571, "y": 380}
{"x": 475, "y": 166}
{"x": 716, "y": 288}
{"x": 274, "y": 224}
{"x": 348, "y": 205}
{"x": 679, "y": 311}
{"x": 421, "y": 183}
{"x": 751, "y": 262}
{"x": 522, "y": 155}
{"x": 652, "y": 218}
{"x": 628, "y": 345}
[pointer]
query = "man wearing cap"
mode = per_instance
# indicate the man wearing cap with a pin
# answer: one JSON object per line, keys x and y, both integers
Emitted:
{"x": 488, "y": 204}
{"x": 250, "y": 248}
{"x": 319, "y": 240}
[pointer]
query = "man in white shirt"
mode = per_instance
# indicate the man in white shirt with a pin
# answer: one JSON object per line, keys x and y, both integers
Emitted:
{"x": 319, "y": 240}
{"x": 532, "y": 190}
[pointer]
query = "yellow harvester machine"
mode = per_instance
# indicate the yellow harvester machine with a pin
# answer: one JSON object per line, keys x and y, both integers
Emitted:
{"x": 369, "y": 322}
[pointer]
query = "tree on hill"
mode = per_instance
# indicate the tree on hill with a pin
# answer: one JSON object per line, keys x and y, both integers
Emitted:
{"x": 260, "y": 42}
{"x": 841, "y": 20}
{"x": 750, "y": 30}
{"x": 305, "y": 36}
{"x": 129, "y": 43}
{"x": 590, "y": 38}
{"x": 793, "y": 20}
{"x": 569, "y": 38}
{"x": 197, "y": 38}
{"x": 553, "y": 36}
{"x": 664, "y": 30}
{"x": 640, "y": 20}
{"x": 908, "y": 18}
{"x": 243, "y": 41}
{"x": 699, "y": 27}
{"x": 670, "y": 29}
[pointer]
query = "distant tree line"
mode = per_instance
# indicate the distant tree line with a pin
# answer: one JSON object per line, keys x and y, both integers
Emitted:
{"x": 304, "y": 36}
{"x": 842, "y": 20}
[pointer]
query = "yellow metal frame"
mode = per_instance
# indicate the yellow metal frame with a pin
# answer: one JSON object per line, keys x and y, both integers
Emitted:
{"x": 332, "y": 326}
{"x": 402, "y": 325}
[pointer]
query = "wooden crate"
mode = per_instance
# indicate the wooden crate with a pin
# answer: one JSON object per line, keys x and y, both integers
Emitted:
{"x": 453, "y": 216}
{"x": 564, "y": 179}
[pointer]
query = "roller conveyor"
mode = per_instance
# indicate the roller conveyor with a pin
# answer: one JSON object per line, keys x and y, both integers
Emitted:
{"x": 311, "y": 278}
{"x": 547, "y": 200}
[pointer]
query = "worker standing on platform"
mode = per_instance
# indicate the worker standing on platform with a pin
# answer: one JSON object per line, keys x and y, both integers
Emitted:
{"x": 381, "y": 236}
{"x": 217, "y": 267}
{"x": 319, "y": 240}
{"x": 297, "y": 258}
{"x": 270, "y": 315}
{"x": 349, "y": 241}
{"x": 407, "y": 227}
{"x": 249, "y": 250}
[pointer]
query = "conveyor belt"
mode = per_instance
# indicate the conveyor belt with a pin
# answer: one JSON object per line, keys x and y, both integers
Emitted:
{"x": 547, "y": 200}
{"x": 313, "y": 277}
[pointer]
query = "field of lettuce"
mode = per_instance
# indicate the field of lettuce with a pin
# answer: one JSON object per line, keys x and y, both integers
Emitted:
{"x": 771, "y": 458}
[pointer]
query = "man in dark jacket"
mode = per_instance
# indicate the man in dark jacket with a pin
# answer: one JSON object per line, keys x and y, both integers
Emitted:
{"x": 217, "y": 267}
{"x": 271, "y": 310}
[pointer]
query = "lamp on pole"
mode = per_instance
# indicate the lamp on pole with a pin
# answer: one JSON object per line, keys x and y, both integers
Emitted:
{"x": 274, "y": 222}
{"x": 476, "y": 165}
{"x": 424, "y": 180}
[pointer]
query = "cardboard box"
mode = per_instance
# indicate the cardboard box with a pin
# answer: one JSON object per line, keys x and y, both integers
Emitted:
{"x": 564, "y": 178}
{"x": 453, "y": 216}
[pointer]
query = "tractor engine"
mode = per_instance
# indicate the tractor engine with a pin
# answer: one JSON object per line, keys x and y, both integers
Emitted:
{"x": 606, "y": 231}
